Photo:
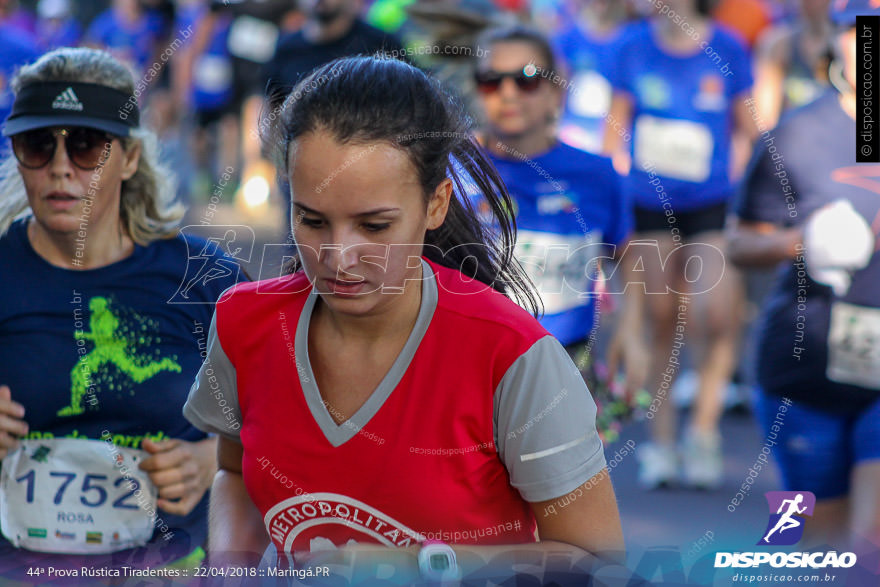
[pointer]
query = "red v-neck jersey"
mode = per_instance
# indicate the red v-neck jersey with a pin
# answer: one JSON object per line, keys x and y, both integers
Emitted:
{"x": 424, "y": 466}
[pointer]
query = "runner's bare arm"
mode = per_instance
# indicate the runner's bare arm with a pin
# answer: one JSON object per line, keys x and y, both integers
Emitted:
{"x": 12, "y": 427}
{"x": 236, "y": 533}
{"x": 772, "y": 54}
{"x": 590, "y": 521}
{"x": 181, "y": 470}
{"x": 761, "y": 244}
{"x": 578, "y": 532}
{"x": 745, "y": 132}
{"x": 618, "y": 126}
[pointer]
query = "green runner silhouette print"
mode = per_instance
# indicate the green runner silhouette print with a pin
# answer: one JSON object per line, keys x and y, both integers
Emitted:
{"x": 114, "y": 344}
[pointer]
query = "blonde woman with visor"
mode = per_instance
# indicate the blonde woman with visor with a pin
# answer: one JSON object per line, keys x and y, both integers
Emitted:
{"x": 98, "y": 344}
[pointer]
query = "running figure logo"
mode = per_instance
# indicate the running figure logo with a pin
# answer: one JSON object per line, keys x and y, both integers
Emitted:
{"x": 786, "y": 526}
{"x": 220, "y": 250}
{"x": 112, "y": 346}
{"x": 213, "y": 268}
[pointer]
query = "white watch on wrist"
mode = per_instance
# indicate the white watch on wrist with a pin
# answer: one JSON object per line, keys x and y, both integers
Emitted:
{"x": 437, "y": 562}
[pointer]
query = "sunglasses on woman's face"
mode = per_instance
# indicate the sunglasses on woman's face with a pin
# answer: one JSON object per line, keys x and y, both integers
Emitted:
{"x": 87, "y": 148}
{"x": 490, "y": 81}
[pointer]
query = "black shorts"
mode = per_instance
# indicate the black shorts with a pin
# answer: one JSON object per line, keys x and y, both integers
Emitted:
{"x": 690, "y": 223}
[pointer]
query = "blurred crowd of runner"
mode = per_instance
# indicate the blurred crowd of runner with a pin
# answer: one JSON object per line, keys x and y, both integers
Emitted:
{"x": 201, "y": 60}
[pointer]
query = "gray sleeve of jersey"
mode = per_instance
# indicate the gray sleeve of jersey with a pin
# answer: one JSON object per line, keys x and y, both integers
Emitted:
{"x": 212, "y": 405}
{"x": 545, "y": 424}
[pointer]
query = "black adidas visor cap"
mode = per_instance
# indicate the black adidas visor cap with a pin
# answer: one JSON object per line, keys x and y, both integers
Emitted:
{"x": 46, "y": 104}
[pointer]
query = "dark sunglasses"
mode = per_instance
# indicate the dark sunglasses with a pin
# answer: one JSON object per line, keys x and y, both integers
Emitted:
{"x": 87, "y": 148}
{"x": 489, "y": 82}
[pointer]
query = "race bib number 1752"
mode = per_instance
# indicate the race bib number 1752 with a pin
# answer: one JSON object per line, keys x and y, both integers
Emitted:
{"x": 76, "y": 496}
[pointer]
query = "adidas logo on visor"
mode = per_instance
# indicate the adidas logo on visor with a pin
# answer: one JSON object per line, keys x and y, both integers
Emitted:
{"x": 67, "y": 100}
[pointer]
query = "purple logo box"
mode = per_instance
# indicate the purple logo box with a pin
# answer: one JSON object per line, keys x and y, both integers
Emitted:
{"x": 787, "y": 517}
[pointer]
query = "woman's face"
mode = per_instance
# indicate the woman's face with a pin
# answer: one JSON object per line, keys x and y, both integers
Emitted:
{"x": 63, "y": 196}
{"x": 510, "y": 110}
{"x": 359, "y": 220}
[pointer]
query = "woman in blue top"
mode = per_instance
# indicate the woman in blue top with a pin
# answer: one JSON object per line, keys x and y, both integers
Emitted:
{"x": 680, "y": 88}
{"x": 103, "y": 321}
{"x": 812, "y": 212}
{"x": 570, "y": 212}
